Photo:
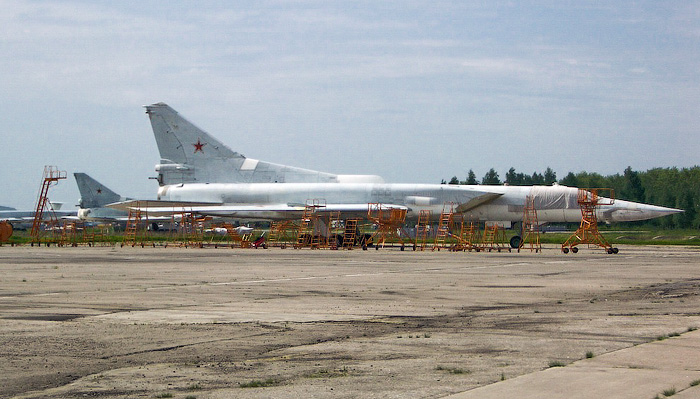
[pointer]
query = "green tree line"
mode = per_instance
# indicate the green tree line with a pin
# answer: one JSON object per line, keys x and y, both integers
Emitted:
{"x": 669, "y": 187}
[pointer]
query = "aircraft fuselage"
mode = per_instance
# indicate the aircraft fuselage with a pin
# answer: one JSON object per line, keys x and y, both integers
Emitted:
{"x": 553, "y": 203}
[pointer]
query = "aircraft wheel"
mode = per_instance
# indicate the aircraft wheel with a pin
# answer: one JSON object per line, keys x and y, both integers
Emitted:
{"x": 515, "y": 242}
{"x": 565, "y": 250}
{"x": 574, "y": 250}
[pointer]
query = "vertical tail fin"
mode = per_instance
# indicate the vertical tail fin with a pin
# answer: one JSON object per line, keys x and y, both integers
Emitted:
{"x": 179, "y": 141}
{"x": 190, "y": 155}
{"x": 94, "y": 194}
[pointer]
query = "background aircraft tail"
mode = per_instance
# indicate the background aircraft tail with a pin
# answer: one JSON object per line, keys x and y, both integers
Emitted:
{"x": 94, "y": 194}
{"x": 191, "y": 155}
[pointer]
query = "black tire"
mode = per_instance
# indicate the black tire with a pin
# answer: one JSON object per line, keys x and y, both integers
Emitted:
{"x": 516, "y": 241}
{"x": 574, "y": 250}
{"x": 565, "y": 250}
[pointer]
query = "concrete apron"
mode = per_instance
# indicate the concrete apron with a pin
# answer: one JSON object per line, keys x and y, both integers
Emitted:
{"x": 643, "y": 371}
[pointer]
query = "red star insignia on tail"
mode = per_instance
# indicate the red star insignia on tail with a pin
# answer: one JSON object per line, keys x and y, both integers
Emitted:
{"x": 199, "y": 145}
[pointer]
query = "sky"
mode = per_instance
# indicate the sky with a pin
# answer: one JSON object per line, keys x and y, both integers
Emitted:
{"x": 413, "y": 91}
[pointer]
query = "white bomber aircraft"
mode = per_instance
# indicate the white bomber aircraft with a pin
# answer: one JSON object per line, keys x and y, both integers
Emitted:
{"x": 199, "y": 174}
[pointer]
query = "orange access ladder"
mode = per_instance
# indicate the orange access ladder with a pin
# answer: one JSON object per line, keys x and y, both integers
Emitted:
{"x": 468, "y": 236}
{"x": 389, "y": 223}
{"x": 191, "y": 230}
{"x": 306, "y": 236}
{"x": 422, "y": 229}
{"x": 74, "y": 233}
{"x": 50, "y": 178}
{"x": 494, "y": 238}
{"x": 332, "y": 223}
{"x": 280, "y": 233}
{"x": 531, "y": 227}
{"x": 444, "y": 226}
{"x": 588, "y": 233}
{"x": 350, "y": 233}
{"x": 134, "y": 224}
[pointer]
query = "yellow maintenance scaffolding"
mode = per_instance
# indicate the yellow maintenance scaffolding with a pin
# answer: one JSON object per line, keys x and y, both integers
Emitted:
{"x": 136, "y": 232}
{"x": 468, "y": 237}
{"x": 444, "y": 227}
{"x": 308, "y": 235}
{"x": 422, "y": 230}
{"x": 587, "y": 233}
{"x": 389, "y": 222}
{"x": 494, "y": 238}
{"x": 45, "y": 221}
{"x": 350, "y": 233}
{"x": 531, "y": 227}
{"x": 282, "y": 233}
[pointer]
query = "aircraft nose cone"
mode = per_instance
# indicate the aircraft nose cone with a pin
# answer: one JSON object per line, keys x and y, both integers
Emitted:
{"x": 668, "y": 211}
{"x": 626, "y": 211}
{"x": 659, "y": 211}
